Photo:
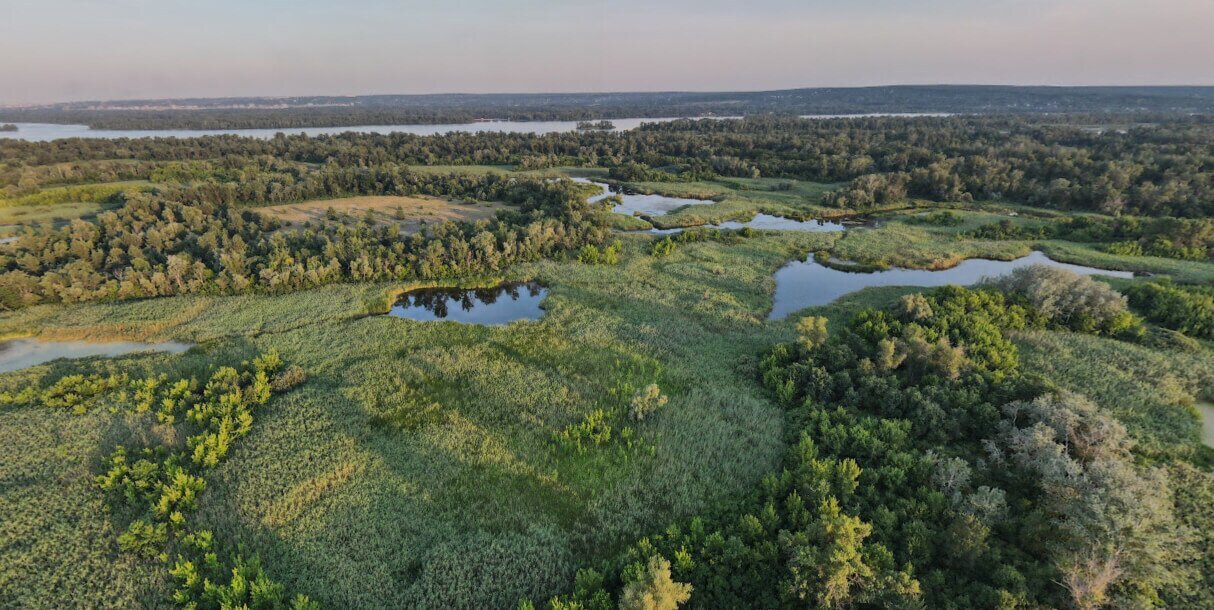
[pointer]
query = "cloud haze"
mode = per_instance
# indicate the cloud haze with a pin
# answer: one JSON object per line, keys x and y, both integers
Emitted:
{"x": 60, "y": 50}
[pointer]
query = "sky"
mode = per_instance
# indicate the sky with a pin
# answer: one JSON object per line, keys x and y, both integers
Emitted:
{"x": 70, "y": 50}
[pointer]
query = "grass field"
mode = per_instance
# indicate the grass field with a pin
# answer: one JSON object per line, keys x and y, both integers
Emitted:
{"x": 81, "y": 193}
{"x": 472, "y": 503}
{"x": 410, "y": 212}
{"x": 13, "y": 218}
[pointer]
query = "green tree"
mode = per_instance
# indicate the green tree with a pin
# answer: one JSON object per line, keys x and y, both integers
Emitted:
{"x": 811, "y": 331}
{"x": 825, "y": 561}
{"x": 650, "y": 587}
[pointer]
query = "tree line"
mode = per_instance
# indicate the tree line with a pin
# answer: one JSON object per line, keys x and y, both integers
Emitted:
{"x": 194, "y": 239}
{"x": 1163, "y": 168}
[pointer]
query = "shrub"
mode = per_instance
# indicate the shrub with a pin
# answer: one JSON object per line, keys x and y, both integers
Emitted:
{"x": 647, "y": 402}
{"x": 1189, "y": 310}
{"x": 1071, "y": 300}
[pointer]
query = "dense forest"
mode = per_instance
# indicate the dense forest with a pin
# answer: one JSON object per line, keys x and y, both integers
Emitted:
{"x": 194, "y": 239}
{"x": 1163, "y": 168}
{"x": 236, "y": 113}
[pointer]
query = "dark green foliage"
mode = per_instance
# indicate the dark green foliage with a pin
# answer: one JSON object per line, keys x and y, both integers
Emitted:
{"x": 1188, "y": 309}
{"x": 194, "y": 240}
{"x": 1162, "y": 169}
{"x": 1006, "y": 229}
{"x": 304, "y": 111}
{"x": 666, "y": 245}
{"x": 939, "y": 218}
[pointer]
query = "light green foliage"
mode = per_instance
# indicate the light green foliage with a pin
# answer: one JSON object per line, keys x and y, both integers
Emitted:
{"x": 1128, "y": 381}
{"x": 825, "y": 560}
{"x": 607, "y": 255}
{"x": 650, "y": 587}
{"x": 144, "y": 538}
{"x": 87, "y": 193}
{"x": 472, "y": 503}
{"x": 811, "y": 331}
{"x": 157, "y": 483}
{"x": 1120, "y": 542}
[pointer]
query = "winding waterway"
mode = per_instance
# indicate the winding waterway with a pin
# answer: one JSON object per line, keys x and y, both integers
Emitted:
{"x": 807, "y": 283}
{"x": 660, "y": 205}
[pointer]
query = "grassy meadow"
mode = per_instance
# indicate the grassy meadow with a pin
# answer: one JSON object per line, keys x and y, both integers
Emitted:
{"x": 410, "y": 212}
{"x": 420, "y": 456}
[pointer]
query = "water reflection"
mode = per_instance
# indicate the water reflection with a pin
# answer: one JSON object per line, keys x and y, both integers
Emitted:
{"x": 802, "y": 284}
{"x": 660, "y": 205}
{"x": 646, "y": 205}
{"x": 488, "y": 306}
{"x": 22, "y": 353}
{"x": 779, "y": 223}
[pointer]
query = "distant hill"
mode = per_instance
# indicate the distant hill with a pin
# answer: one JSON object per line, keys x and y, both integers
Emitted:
{"x": 322, "y": 111}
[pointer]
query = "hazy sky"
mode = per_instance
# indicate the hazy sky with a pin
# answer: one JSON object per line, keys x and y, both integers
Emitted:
{"x": 60, "y": 50}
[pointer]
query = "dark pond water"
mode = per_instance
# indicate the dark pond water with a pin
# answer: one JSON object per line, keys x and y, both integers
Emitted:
{"x": 21, "y": 353}
{"x": 802, "y": 284}
{"x": 489, "y": 306}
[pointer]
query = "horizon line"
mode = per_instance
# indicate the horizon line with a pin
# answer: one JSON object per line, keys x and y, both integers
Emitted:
{"x": 11, "y": 106}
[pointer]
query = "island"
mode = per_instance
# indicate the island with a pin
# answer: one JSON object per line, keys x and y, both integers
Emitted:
{"x": 603, "y": 125}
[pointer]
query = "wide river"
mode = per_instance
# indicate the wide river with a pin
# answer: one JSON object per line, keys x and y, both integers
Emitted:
{"x": 45, "y": 132}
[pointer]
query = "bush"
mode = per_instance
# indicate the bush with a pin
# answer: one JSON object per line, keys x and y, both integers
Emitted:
{"x": 647, "y": 402}
{"x": 1189, "y": 310}
{"x": 1071, "y": 300}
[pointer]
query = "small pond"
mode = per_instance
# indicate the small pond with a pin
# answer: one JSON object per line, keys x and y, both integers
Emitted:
{"x": 489, "y": 306}
{"x": 647, "y": 205}
{"x": 660, "y": 205}
{"x": 801, "y": 284}
{"x": 1207, "y": 423}
{"x": 21, "y": 353}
